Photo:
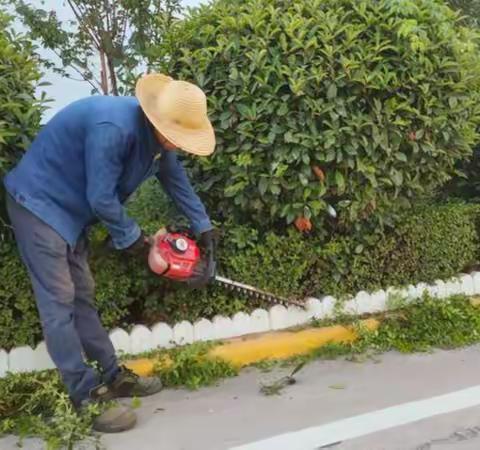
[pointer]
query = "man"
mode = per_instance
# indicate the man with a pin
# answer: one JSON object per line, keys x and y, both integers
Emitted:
{"x": 79, "y": 170}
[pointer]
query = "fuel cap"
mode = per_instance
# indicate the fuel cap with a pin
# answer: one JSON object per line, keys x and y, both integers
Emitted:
{"x": 180, "y": 245}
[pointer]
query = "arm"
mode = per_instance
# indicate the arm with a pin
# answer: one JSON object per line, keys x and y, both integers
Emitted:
{"x": 105, "y": 150}
{"x": 174, "y": 180}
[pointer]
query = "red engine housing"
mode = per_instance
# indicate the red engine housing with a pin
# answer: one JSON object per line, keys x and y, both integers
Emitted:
{"x": 181, "y": 254}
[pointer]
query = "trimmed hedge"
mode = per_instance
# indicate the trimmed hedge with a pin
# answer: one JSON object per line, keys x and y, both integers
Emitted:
{"x": 433, "y": 241}
{"x": 357, "y": 105}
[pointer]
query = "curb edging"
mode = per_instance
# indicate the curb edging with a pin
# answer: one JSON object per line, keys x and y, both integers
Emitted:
{"x": 142, "y": 339}
{"x": 276, "y": 345}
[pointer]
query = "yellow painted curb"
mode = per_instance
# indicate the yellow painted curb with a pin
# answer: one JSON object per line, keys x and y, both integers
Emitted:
{"x": 143, "y": 367}
{"x": 283, "y": 345}
{"x": 274, "y": 345}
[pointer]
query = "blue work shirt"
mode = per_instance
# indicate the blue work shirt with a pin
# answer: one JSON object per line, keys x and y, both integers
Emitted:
{"x": 85, "y": 163}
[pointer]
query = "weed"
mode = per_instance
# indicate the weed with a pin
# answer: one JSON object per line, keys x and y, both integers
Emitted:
{"x": 36, "y": 404}
{"x": 189, "y": 367}
{"x": 266, "y": 365}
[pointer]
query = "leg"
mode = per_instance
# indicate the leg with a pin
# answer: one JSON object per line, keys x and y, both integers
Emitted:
{"x": 95, "y": 340}
{"x": 44, "y": 253}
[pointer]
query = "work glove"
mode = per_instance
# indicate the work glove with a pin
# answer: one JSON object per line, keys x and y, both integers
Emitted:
{"x": 205, "y": 270}
{"x": 140, "y": 247}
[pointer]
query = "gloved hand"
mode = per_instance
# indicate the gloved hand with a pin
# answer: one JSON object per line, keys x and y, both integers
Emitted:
{"x": 140, "y": 247}
{"x": 206, "y": 269}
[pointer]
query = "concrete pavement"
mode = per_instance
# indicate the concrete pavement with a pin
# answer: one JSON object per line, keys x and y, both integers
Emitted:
{"x": 235, "y": 414}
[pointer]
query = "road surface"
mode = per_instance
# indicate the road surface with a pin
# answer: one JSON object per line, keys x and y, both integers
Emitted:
{"x": 399, "y": 402}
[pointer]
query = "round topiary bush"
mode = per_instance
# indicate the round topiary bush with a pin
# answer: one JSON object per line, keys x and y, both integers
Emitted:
{"x": 353, "y": 105}
{"x": 20, "y": 110}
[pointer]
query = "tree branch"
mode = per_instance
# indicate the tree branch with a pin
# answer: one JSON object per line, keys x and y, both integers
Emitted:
{"x": 82, "y": 23}
{"x": 124, "y": 31}
{"x": 80, "y": 73}
{"x": 106, "y": 6}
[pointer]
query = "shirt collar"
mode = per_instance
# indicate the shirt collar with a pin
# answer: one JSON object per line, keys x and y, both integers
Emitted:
{"x": 151, "y": 141}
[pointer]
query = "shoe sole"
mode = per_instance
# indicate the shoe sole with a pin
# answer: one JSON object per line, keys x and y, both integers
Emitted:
{"x": 117, "y": 429}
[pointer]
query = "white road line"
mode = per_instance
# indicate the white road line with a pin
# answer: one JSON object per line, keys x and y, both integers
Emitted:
{"x": 315, "y": 437}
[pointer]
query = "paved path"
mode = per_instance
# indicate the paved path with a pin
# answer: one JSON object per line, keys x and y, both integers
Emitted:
{"x": 382, "y": 401}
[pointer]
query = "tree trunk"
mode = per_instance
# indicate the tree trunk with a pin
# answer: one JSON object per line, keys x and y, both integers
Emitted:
{"x": 113, "y": 76}
{"x": 103, "y": 74}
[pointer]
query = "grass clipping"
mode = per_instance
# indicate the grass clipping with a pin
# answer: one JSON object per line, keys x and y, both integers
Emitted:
{"x": 37, "y": 405}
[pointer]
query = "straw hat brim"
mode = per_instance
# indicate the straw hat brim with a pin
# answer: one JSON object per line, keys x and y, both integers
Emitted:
{"x": 199, "y": 141}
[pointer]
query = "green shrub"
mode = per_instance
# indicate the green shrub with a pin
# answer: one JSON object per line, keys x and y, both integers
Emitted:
{"x": 428, "y": 324}
{"x": 470, "y": 10}
{"x": 436, "y": 241}
{"x": 20, "y": 110}
{"x": 19, "y": 322}
{"x": 432, "y": 242}
{"x": 380, "y": 97}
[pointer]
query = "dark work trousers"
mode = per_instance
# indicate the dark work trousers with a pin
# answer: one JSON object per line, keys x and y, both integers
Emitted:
{"x": 64, "y": 291}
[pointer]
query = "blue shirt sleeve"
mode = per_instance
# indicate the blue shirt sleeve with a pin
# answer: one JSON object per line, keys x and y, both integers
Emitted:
{"x": 105, "y": 150}
{"x": 174, "y": 180}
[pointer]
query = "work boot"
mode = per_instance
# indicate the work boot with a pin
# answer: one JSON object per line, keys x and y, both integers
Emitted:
{"x": 128, "y": 384}
{"x": 115, "y": 418}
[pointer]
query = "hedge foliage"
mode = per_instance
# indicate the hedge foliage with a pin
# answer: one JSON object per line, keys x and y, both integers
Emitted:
{"x": 356, "y": 105}
{"x": 435, "y": 241}
{"x": 470, "y": 10}
{"x": 307, "y": 124}
{"x": 432, "y": 242}
{"x": 20, "y": 110}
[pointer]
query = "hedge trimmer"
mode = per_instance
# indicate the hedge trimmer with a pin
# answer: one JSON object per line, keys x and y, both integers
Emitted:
{"x": 177, "y": 256}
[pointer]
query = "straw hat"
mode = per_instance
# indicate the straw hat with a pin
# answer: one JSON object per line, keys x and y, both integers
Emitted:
{"x": 178, "y": 110}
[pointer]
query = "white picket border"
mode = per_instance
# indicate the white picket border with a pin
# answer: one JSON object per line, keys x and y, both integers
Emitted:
{"x": 161, "y": 335}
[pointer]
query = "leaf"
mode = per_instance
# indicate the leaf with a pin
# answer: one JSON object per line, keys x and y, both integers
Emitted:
{"x": 340, "y": 181}
{"x": 337, "y": 386}
{"x": 244, "y": 110}
{"x": 331, "y": 155}
{"x": 275, "y": 189}
{"x": 453, "y": 102}
{"x": 332, "y": 91}
{"x": 233, "y": 74}
{"x": 283, "y": 110}
{"x": 290, "y": 217}
{"x": 288, "y": 137}
{"x": 136, "y": 403}
{"x": 319, "y": 173}
{"x": 303, "y": 179}
{"x": 401, "y": 156}
{"x": 397, "y": 177}
{"x": 263, "y": 185}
